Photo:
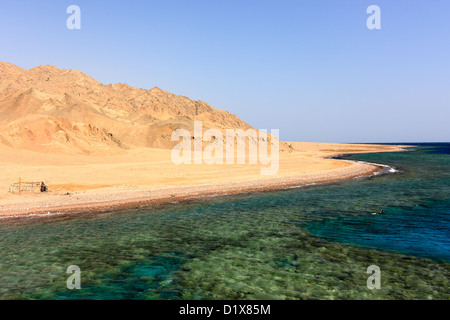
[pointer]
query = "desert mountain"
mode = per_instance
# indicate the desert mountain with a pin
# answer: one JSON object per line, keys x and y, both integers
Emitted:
{"x": 61, "y": 110}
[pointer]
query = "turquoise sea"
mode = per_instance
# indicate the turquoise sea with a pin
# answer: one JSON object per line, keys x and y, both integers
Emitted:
{"x": 313, "y": 242}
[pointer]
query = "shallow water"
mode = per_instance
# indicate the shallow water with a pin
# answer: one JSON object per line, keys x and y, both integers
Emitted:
{"x": 305, "y": 243}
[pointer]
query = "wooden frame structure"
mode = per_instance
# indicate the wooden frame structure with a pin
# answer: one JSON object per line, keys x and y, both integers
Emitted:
{"x": 21, "y": 186}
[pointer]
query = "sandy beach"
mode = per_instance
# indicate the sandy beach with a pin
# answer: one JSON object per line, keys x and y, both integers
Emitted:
{"x": 144, "y": 177}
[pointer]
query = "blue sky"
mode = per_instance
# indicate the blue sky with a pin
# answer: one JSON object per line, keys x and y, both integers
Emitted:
{"x": 309, "y": 68}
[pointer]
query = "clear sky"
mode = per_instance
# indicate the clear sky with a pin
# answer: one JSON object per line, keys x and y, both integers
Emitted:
{"x": 309, "y": 68}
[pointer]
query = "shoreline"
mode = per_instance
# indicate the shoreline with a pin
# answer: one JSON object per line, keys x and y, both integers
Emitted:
{"x": 135, "y": 199}
{"x": 120, "y": 197}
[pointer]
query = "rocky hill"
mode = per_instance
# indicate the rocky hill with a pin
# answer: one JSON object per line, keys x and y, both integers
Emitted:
{"x": 61, "y": 110}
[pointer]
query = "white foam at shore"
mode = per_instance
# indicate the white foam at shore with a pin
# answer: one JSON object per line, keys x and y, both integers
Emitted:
{"x": 391, "y": 169}
{"x": 35, "y": 215}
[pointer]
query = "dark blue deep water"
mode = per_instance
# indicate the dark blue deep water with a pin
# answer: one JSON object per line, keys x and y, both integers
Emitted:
{"x": 305, "y": 243}
{"x": 416, "y": 203}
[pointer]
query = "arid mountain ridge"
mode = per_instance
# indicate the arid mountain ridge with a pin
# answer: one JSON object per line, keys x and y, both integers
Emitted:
{"x": 48, "y": 109}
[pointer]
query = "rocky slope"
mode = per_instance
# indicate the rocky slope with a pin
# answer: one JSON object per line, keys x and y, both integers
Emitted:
{"x": 61, "y": 110}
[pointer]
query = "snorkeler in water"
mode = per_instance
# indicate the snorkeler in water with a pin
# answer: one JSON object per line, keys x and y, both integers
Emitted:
{"x": 377, "y": 213}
